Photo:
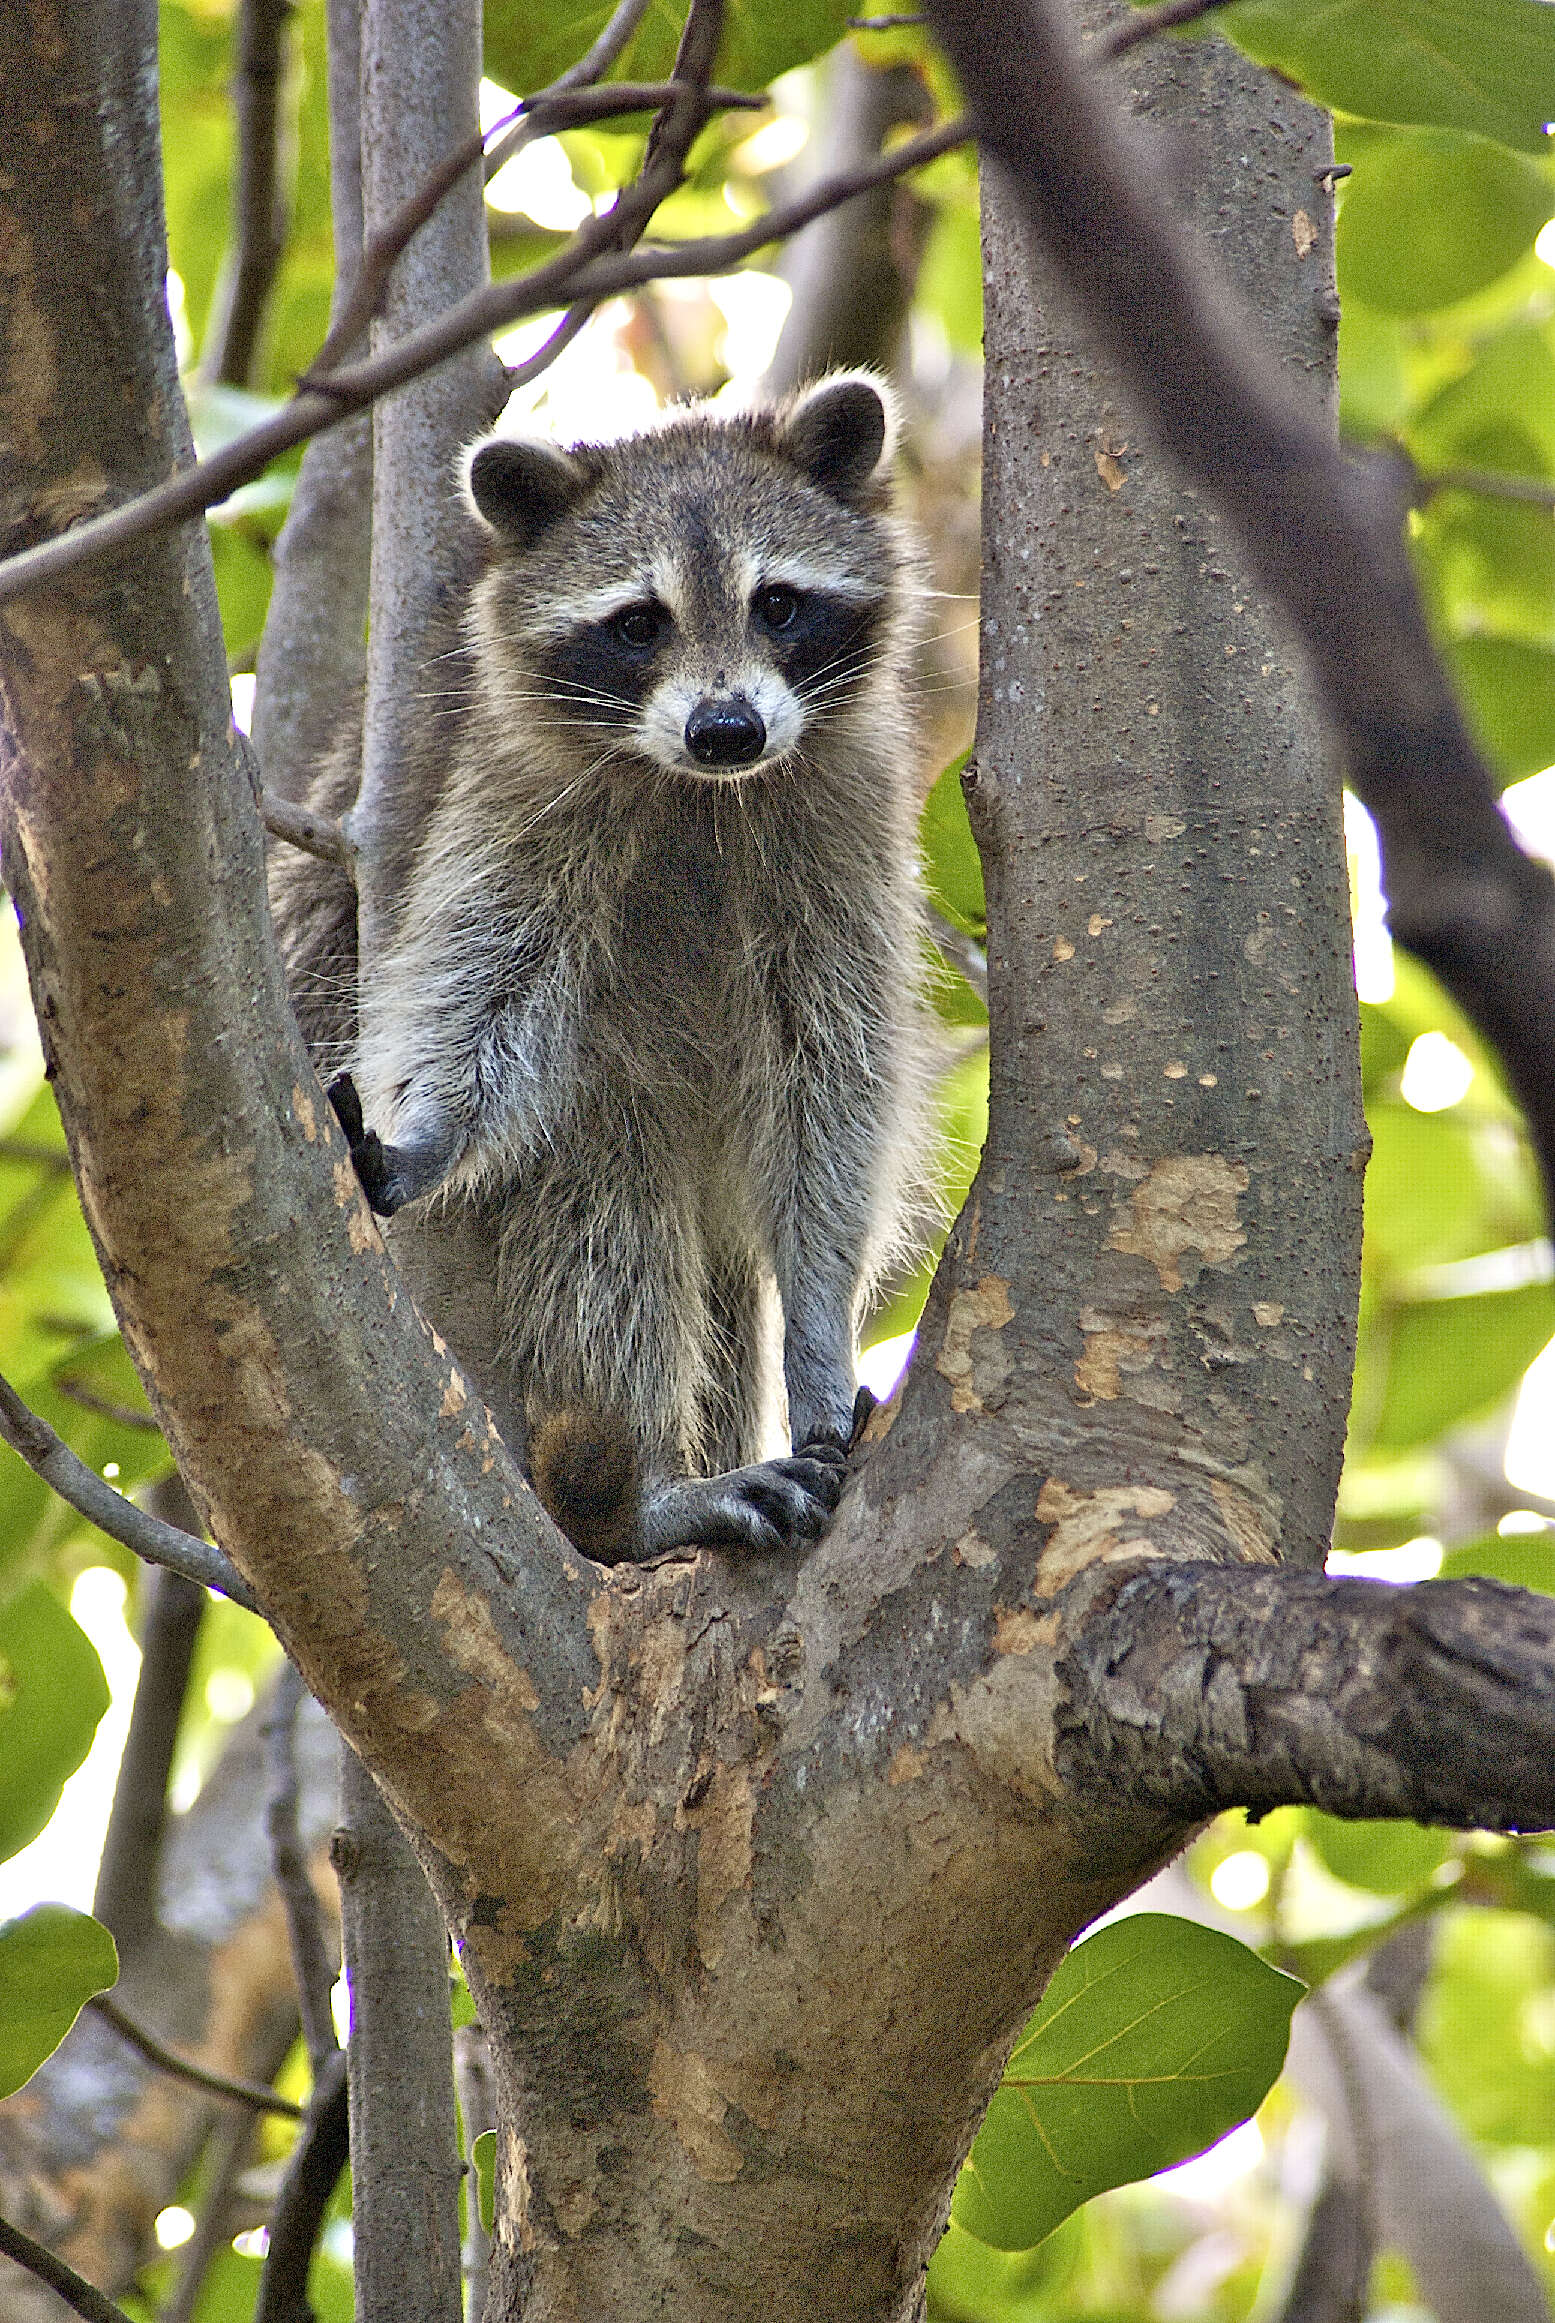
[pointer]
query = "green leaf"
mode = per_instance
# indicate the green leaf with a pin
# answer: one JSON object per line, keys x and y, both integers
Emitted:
{"x": 1443, "y": 1186}
{"x": 1508, "y": 690}
{"x": 1448, "y": 1360}
{"x": 1483, "y": 65}
{"x": 527, "y": 46}
{"x": 951, "y": 863}
{"x": 483, "y": 2154}
{"x": 1384, "y": 1858}
{"x": 1430, "y": 217}
{"x": 1527, "y": 1560}
{"x": 1155, "y": 2037}
{"x": 52, "y": 1960}
{"x": 52, "y": 1694}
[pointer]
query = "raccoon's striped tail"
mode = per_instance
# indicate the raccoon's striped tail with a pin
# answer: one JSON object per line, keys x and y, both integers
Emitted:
{"x": 584, "y": 1467}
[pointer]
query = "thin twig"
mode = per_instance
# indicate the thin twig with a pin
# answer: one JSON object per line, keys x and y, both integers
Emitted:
{"x": 78, "y": 2294}
{"x": 123, "y": 1414}
{"x": 160, "y": 1544}
{"x": 25, "y": 1149}
{"x": 129, "y": 1875}
{"x": 312, "y": 1966}
{"x": 544, "y": 116}
{"x": 884, "y": 23}
{"x": 312, "y": 2173}
{"x": 1488, "y": 482}
{"x": 256, "y": 2095}
{"x": 261, "y": 207}
{"x": 1144, "y": 23}
{"x": 315, "y": 834}
{"x": 583, "y": 272}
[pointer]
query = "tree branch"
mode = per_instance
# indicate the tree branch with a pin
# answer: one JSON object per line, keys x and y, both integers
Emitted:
{"x": 1200, "y": 1687}
{"x": 254, "y": 2094}
{"x": 77, "y": 2293}
{"x": 312, "y": 1964}
{"x": 1324, "y": 535}
{"x": 315, "y": 834}
{"x": 577, "y": 273}
{"x": 125, "y": 1897}
{"x": 312, "y": 2174}
{"x": 160, "y": 1544}
{"x": 261, "y": 206}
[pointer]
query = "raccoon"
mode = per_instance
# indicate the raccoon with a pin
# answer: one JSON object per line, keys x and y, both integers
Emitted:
{"x": 644, "y": 1039}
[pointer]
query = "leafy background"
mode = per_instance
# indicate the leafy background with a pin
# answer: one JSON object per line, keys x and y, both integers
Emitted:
{"x": 1447, "y": 352}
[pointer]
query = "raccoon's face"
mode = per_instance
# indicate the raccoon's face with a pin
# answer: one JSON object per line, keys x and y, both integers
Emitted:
{"x": 702, "y": 596}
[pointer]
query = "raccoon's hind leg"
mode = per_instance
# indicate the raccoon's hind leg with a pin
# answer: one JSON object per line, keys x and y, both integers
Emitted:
{"x": 621, "y": 1327}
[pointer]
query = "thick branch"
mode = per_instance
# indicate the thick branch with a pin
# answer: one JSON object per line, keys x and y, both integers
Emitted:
{"x": 1200, "y": 1687}
{"x": 1324, "y": 535}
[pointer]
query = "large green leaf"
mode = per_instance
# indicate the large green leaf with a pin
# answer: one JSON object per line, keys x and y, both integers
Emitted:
{"x": 1444, "y": 1361}
{"x": 52, "y": 1960}
{"x": 1508, "y": 689}
{"x": 1386, "y": 1858}
{"x": 1484, "y": 65}
{"x": 52, "y": 1693}
{"x": 1154, "y": 2038}
{"x": 1431, "y": 216}
{"x": 951, "y": 862}
{"x": 526, "y": 46}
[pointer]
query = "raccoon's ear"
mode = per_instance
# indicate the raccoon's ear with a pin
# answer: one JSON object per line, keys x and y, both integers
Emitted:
{"x": 839, "y": 433}
{"x": 519, "y": 487}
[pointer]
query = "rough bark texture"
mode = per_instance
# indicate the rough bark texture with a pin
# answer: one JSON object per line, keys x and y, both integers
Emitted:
{"x": 1173, "y": 1028}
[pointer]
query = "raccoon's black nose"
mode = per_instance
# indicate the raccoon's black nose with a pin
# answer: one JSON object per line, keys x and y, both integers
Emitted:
{"x": 727, "y": 733}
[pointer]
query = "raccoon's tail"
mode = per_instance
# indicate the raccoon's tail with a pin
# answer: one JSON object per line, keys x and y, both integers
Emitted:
{"x": 584, "y": 1466}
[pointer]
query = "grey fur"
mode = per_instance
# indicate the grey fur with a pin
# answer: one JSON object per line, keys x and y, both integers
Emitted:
{"x": 646, "y": 1045}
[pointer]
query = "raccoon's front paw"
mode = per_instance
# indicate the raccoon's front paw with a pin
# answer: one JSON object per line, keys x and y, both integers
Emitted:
{"x": 777, "y": 1504}
{"x": 838, "y": 1448}
{"x": 375, "y": 1163}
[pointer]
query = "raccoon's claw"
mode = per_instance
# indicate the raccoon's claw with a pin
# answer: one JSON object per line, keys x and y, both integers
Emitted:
{"x": 865, "y": 1404}
{"x": 777, "y": 1504}
{"x": 373, "y": 1161}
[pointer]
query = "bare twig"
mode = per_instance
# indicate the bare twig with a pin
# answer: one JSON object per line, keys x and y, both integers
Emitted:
{"x": 261, "y": 206}
{"x": 160, "y": 1544}
{"x": 23, "y": 1149}
{"x": 543, "y": 117}
{"x": 315, "y": 834}
{"x": 1144, "y": 23}
{"x": 77, "y": 2293}
{"x": 312, "y": 1965}
{"x": 312, "y": 2173}
{"x": 887, "y": 23}
{"x": 584, "y": 272}
{"x": 477, "y": 2111}
{"x": 125, "y": 1415}
{"x": 1489, "y": 483}
{"x": 125, "y": 1897}
{"x": 254, "y": 2094}
{"x": 226, "y": 2158}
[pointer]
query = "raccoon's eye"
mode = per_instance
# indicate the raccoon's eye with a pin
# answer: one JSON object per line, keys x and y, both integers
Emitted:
{"x": 640, "y": 625}
{"x": 777, "y": 605}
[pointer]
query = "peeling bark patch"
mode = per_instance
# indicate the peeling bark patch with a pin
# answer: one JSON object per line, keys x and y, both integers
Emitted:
{"x": 1016, "y": 1629}
{"x": 307, "y": 1118}
{"x": 1114, "y": 1345}
{"x": 514, "y": 2225}
{"x": 972, "y": 1377}
{"x": 471, "y": 1637}
{"x": 1267, "y": 1312}
{"x": 971, "y": 1549}
{"x": 361, "y": 1226}
{"x": 685, "y": 2095}
{"x": 1092, "y": 1527}
{"x": 1186, "y": 1204}
{"x": 906, "y": 1766}
{"x": 455, "y": 1396}
{"x": 1248, "y": 1525}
